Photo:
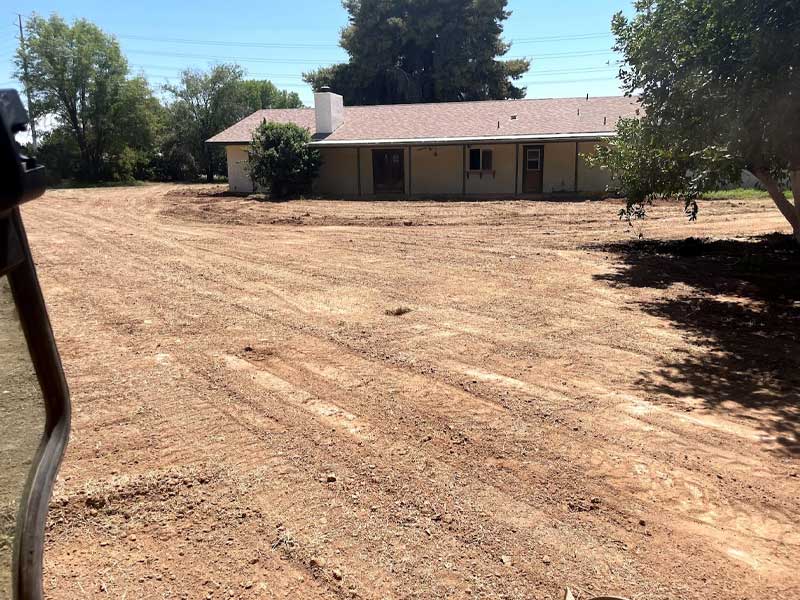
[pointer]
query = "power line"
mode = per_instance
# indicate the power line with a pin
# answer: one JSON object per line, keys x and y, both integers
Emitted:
{"x": 235, "y": 58}
{"x": 568, "y": 71}
{"x": 182, "y": 68}
{"x": 310, "y": 61}
{"x": 174, "y": 69}
{"x": 558, "y": 81}
{"x": 221, "y": 43}
{"x": 566, "y": 54}
{"x": 523, "y": 82}
{"x": 241, "y": 44}
{"x": 561, "y": 38}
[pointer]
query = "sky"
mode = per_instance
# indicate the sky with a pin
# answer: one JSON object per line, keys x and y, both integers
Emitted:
{"x": 568, "y": 42}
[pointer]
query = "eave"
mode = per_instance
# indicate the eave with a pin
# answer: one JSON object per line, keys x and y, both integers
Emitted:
{"x": 444, "y": 141}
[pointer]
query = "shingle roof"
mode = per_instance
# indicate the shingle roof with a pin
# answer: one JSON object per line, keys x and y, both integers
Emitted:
{"x": 493, "y": 119}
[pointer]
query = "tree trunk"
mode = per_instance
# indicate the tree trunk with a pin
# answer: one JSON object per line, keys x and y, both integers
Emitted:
{"x": 209, "y": 166}
{"x": 790, "y": 211}
{"x": 794, "y": 177}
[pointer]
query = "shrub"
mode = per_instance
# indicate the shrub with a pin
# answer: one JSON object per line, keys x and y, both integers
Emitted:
{"x": 280, "y": 159}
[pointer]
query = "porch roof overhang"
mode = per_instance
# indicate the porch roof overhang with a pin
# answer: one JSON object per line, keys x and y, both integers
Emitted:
{"x": 452, "y": 141}
{"x": 445, "y": 141}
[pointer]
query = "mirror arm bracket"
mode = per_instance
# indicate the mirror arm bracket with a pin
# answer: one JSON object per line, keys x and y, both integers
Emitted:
{"x": 32, "y": 516}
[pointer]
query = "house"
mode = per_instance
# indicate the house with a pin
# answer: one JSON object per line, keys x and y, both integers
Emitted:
{"x": 491, "y": 148}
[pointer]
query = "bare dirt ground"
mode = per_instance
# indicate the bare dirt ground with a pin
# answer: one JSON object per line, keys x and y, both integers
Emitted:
{"x": 562, "y": 406}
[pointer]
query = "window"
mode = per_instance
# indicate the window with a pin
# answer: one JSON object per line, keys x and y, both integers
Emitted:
{"x": 480, "y": 160}
{"x": 474, "y": 160}
{"x": 486, "y": 160}
{"x": 534, "y": 159}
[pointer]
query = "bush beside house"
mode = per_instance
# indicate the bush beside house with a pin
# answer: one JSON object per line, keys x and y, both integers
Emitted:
{"x": 281, "y": 161}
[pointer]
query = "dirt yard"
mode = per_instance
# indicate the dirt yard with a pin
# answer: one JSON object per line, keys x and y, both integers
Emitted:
{"x": 421, "y": 400}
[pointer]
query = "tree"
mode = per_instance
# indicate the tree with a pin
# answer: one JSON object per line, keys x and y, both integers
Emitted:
{"x": 138, "y": 121}
{"x": 204, "y": 104}
{"x": 719, "y": 81}
{"x": 646, "y": 164}
{"x": 59, "y": 151}
{"x": 423, "y": 51}
{"x": 78, "y": 74}
{"x": 260, "y": 94}
{"x": 280, "y": 159}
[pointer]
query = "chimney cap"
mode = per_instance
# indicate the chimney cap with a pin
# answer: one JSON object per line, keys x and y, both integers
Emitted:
{"x": 325, "y": 89}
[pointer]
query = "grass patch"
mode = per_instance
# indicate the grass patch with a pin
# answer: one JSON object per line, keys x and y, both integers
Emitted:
{"x": 398, "y": 312}
{"x": 71, "y": 184}
{"x": 741, "y": 194}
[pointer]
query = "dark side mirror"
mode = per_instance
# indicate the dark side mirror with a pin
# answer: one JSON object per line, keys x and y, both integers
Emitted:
{"x": 34, "y": 399}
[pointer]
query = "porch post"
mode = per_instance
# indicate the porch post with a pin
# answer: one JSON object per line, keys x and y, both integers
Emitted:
{"x": 358, "y": 168}
{"x": 410, "y": 174}
{"x": 463, "y": 169}
{"x": 516, "y": 170}
{"x": 576, "y": 167}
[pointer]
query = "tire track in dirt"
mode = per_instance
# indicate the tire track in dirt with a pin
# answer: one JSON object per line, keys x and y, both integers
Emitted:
{"x": 712, "y": 512}
{"x": 256, "y": 426}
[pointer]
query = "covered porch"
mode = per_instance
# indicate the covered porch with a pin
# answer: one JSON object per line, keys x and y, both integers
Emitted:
{"x": 437, "y": 169}
{"x": 496, "y": 169}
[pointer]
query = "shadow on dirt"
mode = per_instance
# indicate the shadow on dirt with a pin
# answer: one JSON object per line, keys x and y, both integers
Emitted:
{"x": 745, "y": 308}
{"x": 207, "y": 190}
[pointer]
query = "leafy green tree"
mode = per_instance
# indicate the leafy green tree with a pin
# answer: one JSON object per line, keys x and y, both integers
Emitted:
{"x": 280, "y": 159}
{"x": 719, "y": 82}
{"x": 423, "y": 51}
{"x": 139, "y": 120}
{"x": 260, "y": 94}
{"x": 204, "y": 104}
{"x": 59, "y": 151}
{"x": 78, "y": 74}
{"x": 174, "y": 161}
{"x": 646, "y": 164}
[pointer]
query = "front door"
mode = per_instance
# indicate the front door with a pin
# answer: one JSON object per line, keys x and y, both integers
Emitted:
{"x": 388, "y": 174}
{"x": 533, "y": 168}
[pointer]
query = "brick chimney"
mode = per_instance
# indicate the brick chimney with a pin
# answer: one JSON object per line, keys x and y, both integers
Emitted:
{"x": 328, "y": 110}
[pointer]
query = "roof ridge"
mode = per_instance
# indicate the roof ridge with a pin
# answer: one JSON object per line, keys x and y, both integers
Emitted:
{"x": 463, "y": 102}
{"x": 294, "y": 108}
{"x": 510, "y": 100}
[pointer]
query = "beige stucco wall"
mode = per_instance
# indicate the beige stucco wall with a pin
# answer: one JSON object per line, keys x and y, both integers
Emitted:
{"x": 559, "y": 168}
{"x": 338, "y": 175}
{"x": 501, "y": 180}
{"x": 436, "y": 170}
{"x": 238, "y": 179}
{"x": 366, "y": 171}
{"x": 591, "y": 179}
{"x": 439, "y": 170}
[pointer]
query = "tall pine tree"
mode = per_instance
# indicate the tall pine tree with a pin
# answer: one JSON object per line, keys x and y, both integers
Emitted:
{"x": 406, "y": 51}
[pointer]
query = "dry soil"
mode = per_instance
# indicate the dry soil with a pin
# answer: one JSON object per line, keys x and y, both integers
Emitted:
{"x": 324, "y": 399}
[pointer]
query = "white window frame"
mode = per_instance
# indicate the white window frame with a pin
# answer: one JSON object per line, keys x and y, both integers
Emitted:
{"x": 538, "y": 159}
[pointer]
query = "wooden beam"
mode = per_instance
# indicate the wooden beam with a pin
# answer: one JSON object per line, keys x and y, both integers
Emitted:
{"x": 409, "y": 171}
{"x": 463, "y": 169}
{"x": 516, "y": 170}
{"x": 358, "y": 168}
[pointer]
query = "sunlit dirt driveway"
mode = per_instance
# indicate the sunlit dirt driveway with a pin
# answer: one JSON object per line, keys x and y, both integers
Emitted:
{"x": 421, "y": 400}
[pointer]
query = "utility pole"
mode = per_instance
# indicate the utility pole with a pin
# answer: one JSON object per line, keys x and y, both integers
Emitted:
{"x": 31, "y": 116}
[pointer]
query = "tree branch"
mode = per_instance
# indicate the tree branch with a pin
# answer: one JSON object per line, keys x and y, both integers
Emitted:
{"x": 794, "y": 177}
{"x": 788, "y": 210}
